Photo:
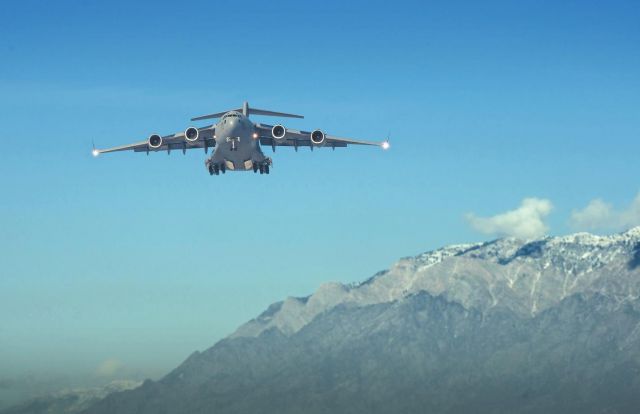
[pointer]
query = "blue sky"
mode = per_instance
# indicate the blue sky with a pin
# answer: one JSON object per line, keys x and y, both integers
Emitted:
{"x": 143, "y": 260}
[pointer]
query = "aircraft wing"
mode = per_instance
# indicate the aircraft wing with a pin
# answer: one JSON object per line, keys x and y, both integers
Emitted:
{"x": 175, "y": 141}
{"x": 296, "y": 138}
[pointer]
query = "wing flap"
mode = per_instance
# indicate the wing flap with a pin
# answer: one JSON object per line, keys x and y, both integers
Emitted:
{"x": 296, "y": 142}
{"x": 296, "y": 138}
{"x": 175, "y": 141}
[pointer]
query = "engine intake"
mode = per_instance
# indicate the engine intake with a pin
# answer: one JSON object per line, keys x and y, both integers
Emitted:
{"x": 317, "y": 137}
{"x": 191, "y": 134}
{"x": 278, "y": 132}
{"x": 155, "y": 141}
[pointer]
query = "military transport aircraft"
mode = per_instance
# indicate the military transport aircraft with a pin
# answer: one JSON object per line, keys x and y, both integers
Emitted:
{"x": 236, "y": 140}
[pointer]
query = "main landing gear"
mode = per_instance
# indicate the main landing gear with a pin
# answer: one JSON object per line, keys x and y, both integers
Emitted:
{"x": 215, "y": 168}
{"x": 263, "y": 166}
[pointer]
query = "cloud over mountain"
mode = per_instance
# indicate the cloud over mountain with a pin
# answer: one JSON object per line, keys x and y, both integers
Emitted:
{"x": 525, "y": 222}
{"x": 109, "y": 367}
{"x": 600, "y": 215}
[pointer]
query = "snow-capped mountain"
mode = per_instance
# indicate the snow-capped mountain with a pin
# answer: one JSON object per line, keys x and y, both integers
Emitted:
{"x": 524, "y": 276}
{"x": 543, "y": 326}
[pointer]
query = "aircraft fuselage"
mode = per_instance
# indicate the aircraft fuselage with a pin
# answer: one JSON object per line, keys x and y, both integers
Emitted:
{"x": 237, "y": 146}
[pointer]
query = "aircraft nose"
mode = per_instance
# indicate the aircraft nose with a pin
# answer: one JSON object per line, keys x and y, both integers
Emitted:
{"x": 235, "y": 125}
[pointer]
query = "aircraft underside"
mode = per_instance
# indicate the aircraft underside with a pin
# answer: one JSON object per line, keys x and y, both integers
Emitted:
{"x": 231, "y": 160}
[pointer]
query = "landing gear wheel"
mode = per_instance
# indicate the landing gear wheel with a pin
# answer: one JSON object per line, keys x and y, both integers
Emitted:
{"x": 266, "y": 169}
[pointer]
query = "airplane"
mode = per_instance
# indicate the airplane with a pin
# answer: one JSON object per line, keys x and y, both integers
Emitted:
{"x": 237, "y": 141}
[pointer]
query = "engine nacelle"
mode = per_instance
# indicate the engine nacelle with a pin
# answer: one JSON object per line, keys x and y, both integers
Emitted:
{"x": 278, "y": 132}
{"x": 155, "y": 141}
{"x": 317, "y": 137}
{"x": 191, "y": 134}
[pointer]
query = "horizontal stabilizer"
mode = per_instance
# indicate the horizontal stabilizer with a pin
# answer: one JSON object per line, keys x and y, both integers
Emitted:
{"x": 246, "y": 110}
{"x": 216, "y": 115}
{"x": 253, "y": 111}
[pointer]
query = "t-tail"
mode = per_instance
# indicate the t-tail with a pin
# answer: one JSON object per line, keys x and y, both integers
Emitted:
{"x": 246, "y": 111}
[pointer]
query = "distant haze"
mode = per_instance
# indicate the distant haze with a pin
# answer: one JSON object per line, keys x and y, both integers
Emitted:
{"x": 121, "y": 266}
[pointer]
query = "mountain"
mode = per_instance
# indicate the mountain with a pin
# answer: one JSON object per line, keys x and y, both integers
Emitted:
{"x": 70, "y": 401}
{"x": 550, "y": 325}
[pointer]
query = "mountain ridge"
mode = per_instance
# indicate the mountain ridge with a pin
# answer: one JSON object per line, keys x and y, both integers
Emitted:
{"x": 420, "y": 353}
{"x": 549, "y": 325}
{"x": 571, "y": 252}
{"x": 70, "y": 401}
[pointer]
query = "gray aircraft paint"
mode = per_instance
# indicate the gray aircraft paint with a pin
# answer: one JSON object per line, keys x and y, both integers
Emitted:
{"x": 237, "y": 141}
{"x": 237, "y": 145}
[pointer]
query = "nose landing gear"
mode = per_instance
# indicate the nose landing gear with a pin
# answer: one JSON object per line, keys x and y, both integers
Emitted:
{"x": 233, "y": 143}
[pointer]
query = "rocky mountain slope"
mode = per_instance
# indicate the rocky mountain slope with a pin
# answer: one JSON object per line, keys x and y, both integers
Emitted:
{"x": 524, "y": 277}
{"x": 550, "y": 325}
{"x": 70, "y": 401}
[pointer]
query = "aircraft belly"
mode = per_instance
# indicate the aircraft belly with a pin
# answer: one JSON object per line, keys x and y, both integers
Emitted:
{"x": 239, "y": 155}
{"x": 236, "y": 148}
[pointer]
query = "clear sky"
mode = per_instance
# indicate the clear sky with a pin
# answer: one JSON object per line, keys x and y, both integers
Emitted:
{"x": 123, "y": 265}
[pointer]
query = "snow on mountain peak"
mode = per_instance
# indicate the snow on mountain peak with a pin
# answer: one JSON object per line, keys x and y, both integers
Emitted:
{"x": 524, "y": 276}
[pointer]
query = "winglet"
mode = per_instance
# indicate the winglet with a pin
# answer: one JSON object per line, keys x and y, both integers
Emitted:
{"x": 385, "y": 144}
{"x": 94, "y": 152}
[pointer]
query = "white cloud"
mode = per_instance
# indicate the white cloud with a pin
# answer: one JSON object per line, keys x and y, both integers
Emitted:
{"x": 109, "y": 367}
{"x": 594, "y": 215}
{"x": 599, "y": 215}
{"x": 525, "y": 222}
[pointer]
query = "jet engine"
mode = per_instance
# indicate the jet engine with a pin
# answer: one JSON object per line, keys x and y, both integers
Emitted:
{"x": 278, "y": 132}
{"x": 317, "y": 137}
{"x": 155, "y": 141}
{"x": 191, "y": 134}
